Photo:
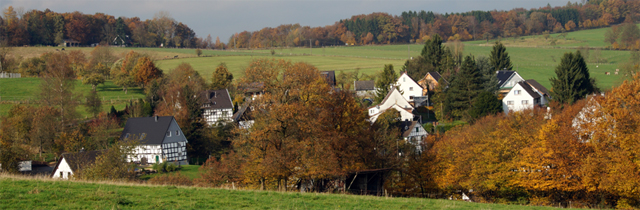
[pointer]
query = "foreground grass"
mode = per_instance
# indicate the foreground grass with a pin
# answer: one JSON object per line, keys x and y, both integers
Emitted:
{"x": 20, "y": 193}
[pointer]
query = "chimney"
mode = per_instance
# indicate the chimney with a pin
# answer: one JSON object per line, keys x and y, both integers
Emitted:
{"x": 156, "y": 118}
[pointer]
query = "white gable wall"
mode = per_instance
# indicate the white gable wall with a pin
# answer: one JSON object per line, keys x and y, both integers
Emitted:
{"x": 408, "y": 87}
{"x": 404, "y": 114}
{"x": 512, "y": 81}
{"x": 513, "y": 101}
{"x": 63, "y": 171}
{"x": 418, "y": 133}
{"x": 393, "y": 100}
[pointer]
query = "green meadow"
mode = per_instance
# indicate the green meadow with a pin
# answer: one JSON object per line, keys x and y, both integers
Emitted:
{"x": 20, "y": 193}
{"x": 534, "y": 57}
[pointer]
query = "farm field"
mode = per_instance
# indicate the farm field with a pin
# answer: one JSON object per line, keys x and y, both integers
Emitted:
{"x": 20, "y": 193}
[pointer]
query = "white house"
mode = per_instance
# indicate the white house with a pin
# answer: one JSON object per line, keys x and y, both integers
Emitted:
{"x": 414, "y": 133}
{"x": 70, "y": 163}
{"x": 393, "y": 100}
{"x": 523, "y": 96}
{"x": 217, "y": 106}
{"x": 507, "y": 80}
{"x": 408, "y": 87}
{"x": 161, "y": 139}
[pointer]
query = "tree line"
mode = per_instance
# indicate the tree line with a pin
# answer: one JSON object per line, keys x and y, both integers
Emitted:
{"x": 417, "y": 27}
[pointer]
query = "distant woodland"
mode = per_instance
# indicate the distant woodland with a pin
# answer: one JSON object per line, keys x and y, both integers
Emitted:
{"x": 35, "y": 27}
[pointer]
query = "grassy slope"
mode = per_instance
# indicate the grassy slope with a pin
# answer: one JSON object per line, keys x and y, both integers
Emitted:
{"x": 190, "y": 171}
{"x": 46, "y": 194}
{"x": 28, "y": 89}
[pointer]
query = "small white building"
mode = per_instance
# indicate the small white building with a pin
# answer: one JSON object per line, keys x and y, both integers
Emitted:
{"x": 365, "y": 88}
{"x": 523, "y": 96}
{"x": 408, "y": 87}
{"x": 161, "y": 139}
{"x": 217, "y": 106}
{"x": 70, "y": 163}
{"x": 393, "y": 100}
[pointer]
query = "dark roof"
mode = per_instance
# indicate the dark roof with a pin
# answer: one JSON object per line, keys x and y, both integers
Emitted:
{"x": 216, "y": 99}
{"x": 364, "y": 85}
{"x": 503, "y": 76}
{"x": 243, "y": 113}
{"x": 436, "y": 76}
{"x": 78, "y": 160}
{"x": 538, "y": 86}
{"x": 529, "y": 89}
{"x": 252, "y": 87}
{"x": 153, "y": 131}
{"x": 330, "y": 76}
{"x": 407, "y": 126}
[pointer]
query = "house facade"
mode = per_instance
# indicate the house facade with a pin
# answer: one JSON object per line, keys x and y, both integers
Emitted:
{"x": 522, "y": 96}
{"x": 217, "y": 106}
{"x": 393, "y": 100}
{"x": 409, "y": 88}
{"x": 70, "y": 163}
{"x": 161, "y": 139}
{"x": 414, "y": 133}
{"x": 507, "y": 80}
{"x": 364, "y": 88}
{"x": 430, "y": 81}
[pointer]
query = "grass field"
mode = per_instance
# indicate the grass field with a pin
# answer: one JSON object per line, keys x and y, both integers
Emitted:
{"x": 190, "y": 171}
{"x": 19, "y": 193}
{"x": 27, "y": 90}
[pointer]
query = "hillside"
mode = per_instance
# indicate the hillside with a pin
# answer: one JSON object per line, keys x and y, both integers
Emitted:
{"x": 21, "y": 193}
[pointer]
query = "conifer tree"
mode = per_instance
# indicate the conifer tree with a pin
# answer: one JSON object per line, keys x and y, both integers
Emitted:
{"x": 463, "y": 90}
{"x": 490, "y": 81}
{"x": 383, "y": 84}
{"x": 433, "y": 52}
{"x": 500, "y": 59}
{"x": 485, "y": 104}
{"x": 572, "y": 81}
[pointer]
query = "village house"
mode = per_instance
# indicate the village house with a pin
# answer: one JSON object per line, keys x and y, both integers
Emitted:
{"x": 217, "y": 106}
{"x": 414, "y": 133}
{"x": 430, "y": 81}
{"x": 161, "y": 139}
{"x": 330, "y": 76}
{"x": 393, "y": 100}
{"x": 365, "y": 88}
{"x": 244, "y": 116}
{"x": 507, "y": 80}
{"x": 409, "y": 88}
{"x": 70, "y": 163}
{"x": 524, "y": 95}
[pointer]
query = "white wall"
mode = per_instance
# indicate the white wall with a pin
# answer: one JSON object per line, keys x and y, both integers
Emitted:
{"x": 212, "y": 116}
{"x": 517, "y": 99}
{"x": 408, "y": 87}
{"x": 515, "y": 78}
{"x": 64, "y": 168}
{"x": 148, "y": 151}
{"x": 394, "y": 98}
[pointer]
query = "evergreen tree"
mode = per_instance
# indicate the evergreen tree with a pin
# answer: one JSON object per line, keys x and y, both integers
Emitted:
{"x": 486, "y": 104}
{"x": 573, "y": 81}
{"x": 463, "y": 90}
{"x": 387, "y": 78}
{"x": 500, "y": 59}
{"x": 489, "y": 78}
{"x": 433, "y": 53}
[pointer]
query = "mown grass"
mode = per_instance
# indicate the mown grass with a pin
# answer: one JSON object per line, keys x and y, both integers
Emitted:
{"x": 190, "y": 171}
{"x": 20, "y": 193}
{"x": 27, "y": 91}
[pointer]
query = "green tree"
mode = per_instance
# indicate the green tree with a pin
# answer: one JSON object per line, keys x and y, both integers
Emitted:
{"x": 499, "y": 57}
{"x": 221, "y": 78}
{"x": 94, "y": 79}
{"x": 486, "y": 104}
{"x": 384, "y": 82}
{"x": 463, "y": 89}
{"x": 93, "y": 104}
{"x": 433, "y": 53}
{"x": 198, "y": 52}
{"x": 572, "y": 81}
{"x": 490, "y": 81}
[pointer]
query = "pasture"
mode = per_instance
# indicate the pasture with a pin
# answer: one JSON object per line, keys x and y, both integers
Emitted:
{"x": 44, "y": 193}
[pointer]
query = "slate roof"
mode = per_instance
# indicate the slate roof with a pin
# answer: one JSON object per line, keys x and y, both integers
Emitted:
{"x": 243, "y": 113}
{"x": 538, "y": 86}
{"x": 436, "y": 76}
{"x": 330, "y": 76}
{"x": 153, "y": 131}
{"x": 78, "y": 160}
{"x": 503, "y": 76}
{"x": 529, "y": 89}
{"x": 406, "y": 127}
{"x": 216, "y": 99}
{"x": 364, "y": 85}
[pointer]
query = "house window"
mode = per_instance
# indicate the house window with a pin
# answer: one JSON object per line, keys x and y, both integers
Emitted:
{"x": 61, "y": 174}
{"x": 509, "y": 102}
{"x": 410, "y": 88}
{"x": 68, "y": 174}
{"x": 404, "y": 79}
{"x": 417, "y": 129}
{"x": 177, "y": 133}
{"x": 525, "y": 102}
{"x": 168, "y": 133}
{"x": 143, "y": 135}
{"x": 126, "y": 136}
{"x": 516, "y": 92}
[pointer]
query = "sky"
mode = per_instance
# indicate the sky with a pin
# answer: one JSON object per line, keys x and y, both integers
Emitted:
{"x": 226, "y": 17}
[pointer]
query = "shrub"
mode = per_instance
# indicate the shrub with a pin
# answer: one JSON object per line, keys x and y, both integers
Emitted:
{"x": 171, "y": 179}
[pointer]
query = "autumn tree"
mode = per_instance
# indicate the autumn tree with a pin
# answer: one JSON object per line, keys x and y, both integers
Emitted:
{"x": 93, "y": 103}
{"x": 572, "y": 81}
{"x": 499, "y": 57}
{"x": 145, "y": 71}
{"x": 221, "y": 77}
{"x": 57, "y": 87}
